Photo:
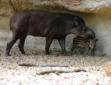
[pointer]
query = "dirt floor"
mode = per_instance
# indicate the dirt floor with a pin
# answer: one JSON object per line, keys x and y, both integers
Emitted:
{"x": 13, "y": 74}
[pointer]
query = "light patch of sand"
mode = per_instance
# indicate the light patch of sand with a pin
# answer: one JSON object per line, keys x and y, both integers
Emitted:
{"x": 12, "y": 74}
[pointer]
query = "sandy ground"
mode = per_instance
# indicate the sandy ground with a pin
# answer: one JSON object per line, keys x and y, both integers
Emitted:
{"x": 12, "y": 74}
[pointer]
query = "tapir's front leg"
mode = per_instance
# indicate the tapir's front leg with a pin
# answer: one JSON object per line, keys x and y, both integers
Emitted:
{"x": 62, "y": 44}
{"x": 48, "y": 43}
{"x": 21, "y": 44}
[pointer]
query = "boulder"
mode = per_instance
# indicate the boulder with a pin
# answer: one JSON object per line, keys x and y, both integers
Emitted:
{"x": 108, "y": 68}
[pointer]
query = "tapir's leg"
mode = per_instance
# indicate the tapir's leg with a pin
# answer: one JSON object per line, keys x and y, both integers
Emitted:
{"x": 92, "y": 52}
{"x": 48, "y": 43}
{"x": 21, "y": 44}
{"x": 62, "y": 44}
{"x": 11, "y": 43}
{"x": 78, "y": 51}
{"x": 86, "y": 51}
{"x": 71, "y": 51}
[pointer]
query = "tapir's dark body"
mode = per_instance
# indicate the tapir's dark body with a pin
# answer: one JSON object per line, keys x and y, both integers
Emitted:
{"x": 44, "y": 24}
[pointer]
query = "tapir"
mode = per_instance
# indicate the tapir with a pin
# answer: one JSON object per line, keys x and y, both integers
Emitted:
{"x": 44, "y": 24}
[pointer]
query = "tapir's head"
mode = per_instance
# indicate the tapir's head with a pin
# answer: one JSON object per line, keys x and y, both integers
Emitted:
{"x": 79, "y": 28}
{"x": 87, "y": 33}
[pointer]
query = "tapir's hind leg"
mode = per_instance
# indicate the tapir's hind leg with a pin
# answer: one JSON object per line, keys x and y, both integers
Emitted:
{"x": 11, "y": 43}
{"x": 21, "y": 44}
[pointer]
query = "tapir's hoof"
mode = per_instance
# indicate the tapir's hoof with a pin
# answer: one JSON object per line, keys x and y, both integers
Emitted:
{"x": 7, "y": 54}
{"x": 70, "y": 54}
{"x": 23, "y": 52}
{"x": 65, "y": 54}
{"x": 47, "y": 53}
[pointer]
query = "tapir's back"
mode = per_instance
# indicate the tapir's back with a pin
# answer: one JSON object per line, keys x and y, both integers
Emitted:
{"x": 38, "y": 23}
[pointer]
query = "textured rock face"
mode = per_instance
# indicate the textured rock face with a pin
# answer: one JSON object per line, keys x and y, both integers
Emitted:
{"x": 96, "y": 13}
{"x": 85, "y": 6}
{"x": 108, "y": 68}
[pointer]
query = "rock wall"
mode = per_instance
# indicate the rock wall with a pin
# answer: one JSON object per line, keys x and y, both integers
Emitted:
{"x": 102, "y": 27}
{"x": 96, "y": 14}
